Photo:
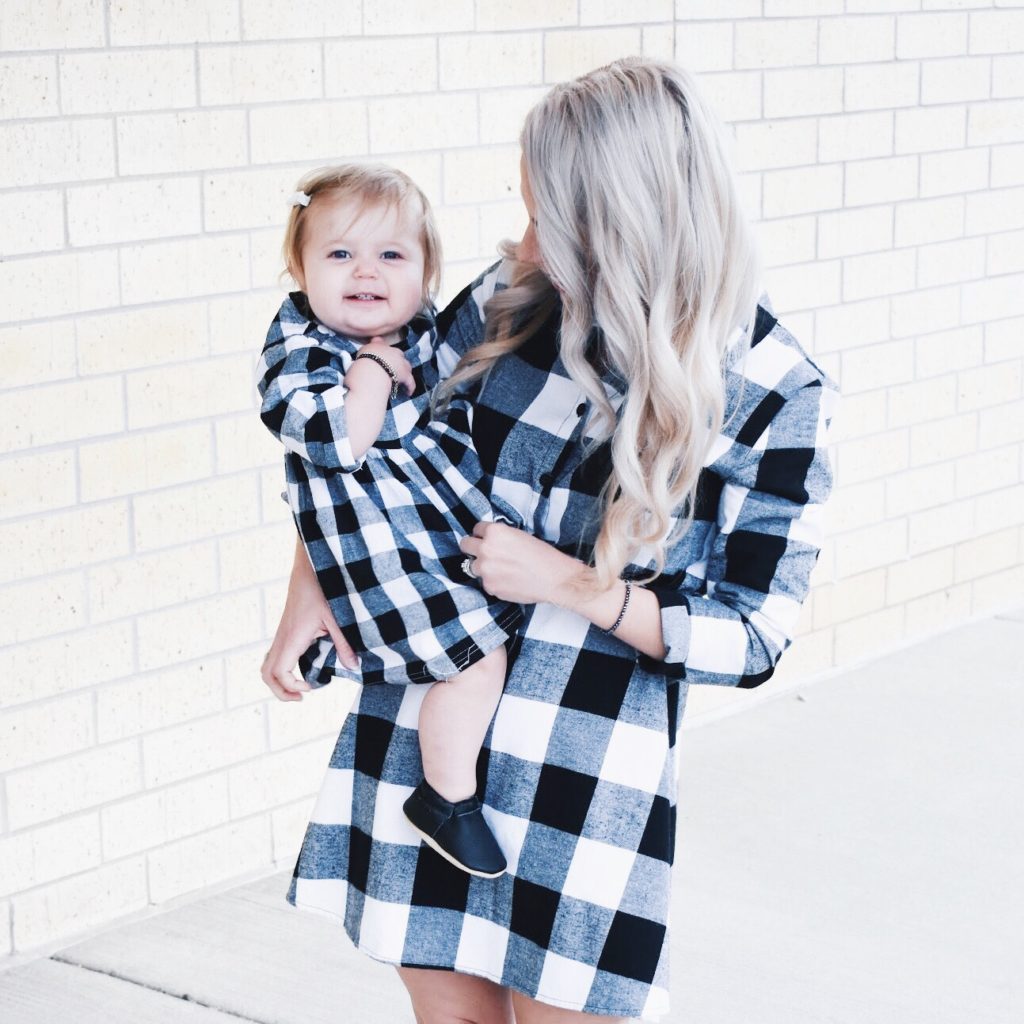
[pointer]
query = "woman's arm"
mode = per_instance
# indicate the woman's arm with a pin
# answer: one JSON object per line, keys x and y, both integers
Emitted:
{"x": 516, "y": 566}
{"x": 758, "y": 570}
{"x": 306, "y": 616}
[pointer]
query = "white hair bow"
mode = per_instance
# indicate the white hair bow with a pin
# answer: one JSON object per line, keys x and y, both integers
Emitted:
{"x": 299, "y": 199}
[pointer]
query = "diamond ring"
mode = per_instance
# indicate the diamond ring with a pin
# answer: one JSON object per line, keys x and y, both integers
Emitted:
{"x": 467, "y": 568}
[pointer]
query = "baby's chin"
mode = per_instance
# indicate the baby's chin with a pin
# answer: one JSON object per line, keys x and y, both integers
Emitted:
{"x": 389, "y": 332}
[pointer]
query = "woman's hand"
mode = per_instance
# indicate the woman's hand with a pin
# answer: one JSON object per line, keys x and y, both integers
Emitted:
{"x": 513, "y": 565}
{"x": 306, "y": 616}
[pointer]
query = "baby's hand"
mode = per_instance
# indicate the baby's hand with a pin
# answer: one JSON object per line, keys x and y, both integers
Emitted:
{"x": 395, "y": 358}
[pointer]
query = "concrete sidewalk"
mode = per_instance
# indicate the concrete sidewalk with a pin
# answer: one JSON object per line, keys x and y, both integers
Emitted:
{"x": 850, "y": 853}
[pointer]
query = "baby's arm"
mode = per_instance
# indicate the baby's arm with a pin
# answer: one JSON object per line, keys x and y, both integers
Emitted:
{"x": 327, "y": 416}
{"x": 369, "y": 389}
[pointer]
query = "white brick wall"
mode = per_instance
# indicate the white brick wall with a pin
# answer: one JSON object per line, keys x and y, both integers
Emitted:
{"x": 145, "y": 150}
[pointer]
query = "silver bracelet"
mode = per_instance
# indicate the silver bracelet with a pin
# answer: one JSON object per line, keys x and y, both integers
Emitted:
{"x": 622, "y": 614}
{"x": 382, "y": 362}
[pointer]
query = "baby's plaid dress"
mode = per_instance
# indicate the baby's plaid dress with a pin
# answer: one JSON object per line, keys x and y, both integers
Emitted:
{"x": 381, "y": 531}
{"x": 579, "y": 767}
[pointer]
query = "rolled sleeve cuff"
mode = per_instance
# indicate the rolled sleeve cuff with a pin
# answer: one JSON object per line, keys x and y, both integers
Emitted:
{"x": 675, "y": 633}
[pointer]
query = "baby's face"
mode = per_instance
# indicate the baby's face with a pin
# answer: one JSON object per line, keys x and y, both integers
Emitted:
{"x": 362, "y": 266}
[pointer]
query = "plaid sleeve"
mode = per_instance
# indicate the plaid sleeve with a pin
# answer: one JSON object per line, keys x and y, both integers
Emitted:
{"x": 769, "y": 534}
{"x": 460, "y": 326}
{"x": 301, "y": 384}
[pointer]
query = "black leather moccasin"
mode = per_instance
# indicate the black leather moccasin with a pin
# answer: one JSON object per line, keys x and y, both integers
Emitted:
{"x": 457, "y": 831}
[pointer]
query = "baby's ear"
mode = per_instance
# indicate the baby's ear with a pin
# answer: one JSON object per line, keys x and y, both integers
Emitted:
{"x": 297, "y": 276}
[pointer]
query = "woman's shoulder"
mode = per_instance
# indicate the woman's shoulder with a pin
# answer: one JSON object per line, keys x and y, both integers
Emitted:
{"x": 461, "y": 323}
{"x": 774, "y": 360}
{"x": 777, "y": 397}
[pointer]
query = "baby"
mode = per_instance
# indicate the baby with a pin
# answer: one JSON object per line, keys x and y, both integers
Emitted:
{"x": 381, "y": 494}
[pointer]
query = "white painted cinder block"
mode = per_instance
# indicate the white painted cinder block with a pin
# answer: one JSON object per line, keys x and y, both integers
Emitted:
{"x": 948, "y": 262}
{"x": 163, "y": 271}
{"x": 922, "y": 574}
{"x": 571, "y": 53}
{"x": 33, "y": 221}
{"x": 41, "y": 732}
{"x": 28, "y": 86}
{"x": 995, "y": 122}
{"x": 482, "y": 61}
{"x": 65, "y": 786}
{"x": 152, "y": 22}
{"x": 704, "y": 46}
{"x": 786, "y": 43}
{"x": 301, "y": 19}
{"x": 320, "y": 133}
{"x": 449, "y": 120}
{"x": 238, "y": 847}
{"x": 499, "y": 15}
{"x": 1007, "y": 73}
{"x": 260, "y": 73}
{"x": 127, "y": 80}
{"x": 72, "y": 659}
{"x": 128, "y": 211}
{"x": 881, "y": 86}
{"x": 367, "y": 67}
{"x": 156, "y": 818}
{"x": 64, "y": 540}
{"x": 397, "y": 17}
{"x": 160, "y": 699}
{"x": 919, "y": 488}
{"x": 803, "y": 91}
{"x": 880, "y": 181}
{"x": 279, "y": 777}
{"x": 141, "y": 583}
{"x": 931, "y": 35}
{"x": 955, "y": 80}
{"x": 953, "y": 172}
{"x": 857, "y": 40}
{"x": 196, "y": 630}
{"x": 203, "y": 745}
{"x": 50, "y": 24}
{"x": 922, "y": 400}
{"x": 192, "y": 140}
{"x": 78, "y": 904}
{"x": 45, "y": 853}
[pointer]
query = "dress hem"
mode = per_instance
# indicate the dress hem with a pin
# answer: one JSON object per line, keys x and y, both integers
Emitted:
{"x": 391, "y": 962}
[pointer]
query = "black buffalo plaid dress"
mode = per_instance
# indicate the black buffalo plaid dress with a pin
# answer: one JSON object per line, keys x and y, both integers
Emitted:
{"x": 579, "y": 768}
{"x": 382, "y": 531}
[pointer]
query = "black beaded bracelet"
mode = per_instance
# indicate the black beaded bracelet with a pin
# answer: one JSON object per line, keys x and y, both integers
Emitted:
{"x": 382, "y": 362}
{"x": 622, "y": 614}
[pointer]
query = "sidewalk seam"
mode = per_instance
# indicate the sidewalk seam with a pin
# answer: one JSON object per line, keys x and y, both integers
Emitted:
{"x": 154, "y": 988}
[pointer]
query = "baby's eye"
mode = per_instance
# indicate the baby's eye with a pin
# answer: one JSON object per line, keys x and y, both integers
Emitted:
{"x": 339, "y": 254}
{"x": 390, "y": 254}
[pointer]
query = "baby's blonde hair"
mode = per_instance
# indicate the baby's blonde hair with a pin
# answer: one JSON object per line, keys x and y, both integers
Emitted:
{"x": 371, "y": 185}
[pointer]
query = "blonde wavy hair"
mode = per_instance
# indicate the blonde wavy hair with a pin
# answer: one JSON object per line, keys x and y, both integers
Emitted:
{"x": 641, "y": 232}
{"x": 369, "y": 185}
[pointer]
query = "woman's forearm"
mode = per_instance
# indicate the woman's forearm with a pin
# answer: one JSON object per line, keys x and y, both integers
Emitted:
{"x": 641, "y": 623}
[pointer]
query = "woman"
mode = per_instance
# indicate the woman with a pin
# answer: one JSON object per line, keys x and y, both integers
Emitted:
{"x": 663, "y": 439}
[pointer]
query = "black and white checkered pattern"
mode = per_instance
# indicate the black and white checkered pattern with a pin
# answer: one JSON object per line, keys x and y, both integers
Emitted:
{"x": 382, "y": 531}
{"x": 579, "y": 768}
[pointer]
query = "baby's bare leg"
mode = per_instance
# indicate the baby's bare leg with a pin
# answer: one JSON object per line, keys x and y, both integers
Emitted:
{"x": 454, "y": 717}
